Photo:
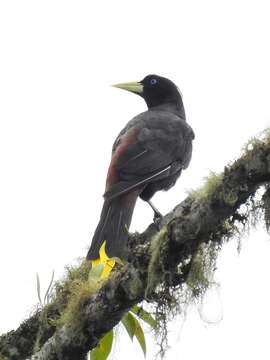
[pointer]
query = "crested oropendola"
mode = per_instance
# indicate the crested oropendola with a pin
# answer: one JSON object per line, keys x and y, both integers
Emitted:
{"x": 148, "y": 155}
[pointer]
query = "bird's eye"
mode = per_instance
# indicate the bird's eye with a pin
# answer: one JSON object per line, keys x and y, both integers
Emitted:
{"x": 153, "y": 81}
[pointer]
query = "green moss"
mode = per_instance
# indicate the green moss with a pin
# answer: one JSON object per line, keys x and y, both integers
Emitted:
{"x": 212, "y": 189}
{"x": 65, "y": 288}
{"x": 251, "y": 143}
{"x": 79, "y": 293}
{"x": 230, "y": 198}
{"x": 3, "y": 357}
{"x": 66, "y": 302}
{"x": 211, "y": 182}
{"x": 78, "y": 272}
{"x": 266, "y": 136}
{"x": 71, "y": 294}
{"x": 263, "y": 138}
{"x": 228, "y": 227}
{"x": 155, "y": 268}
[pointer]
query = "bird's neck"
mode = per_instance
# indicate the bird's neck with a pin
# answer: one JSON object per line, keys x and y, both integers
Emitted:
{"x": 176, "y": 108}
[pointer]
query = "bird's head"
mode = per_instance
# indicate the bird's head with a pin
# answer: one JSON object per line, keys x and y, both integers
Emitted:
{"x": 155, "y": 90}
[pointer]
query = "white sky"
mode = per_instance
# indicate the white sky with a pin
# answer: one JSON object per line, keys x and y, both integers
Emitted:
{"x": 59, "y": 118}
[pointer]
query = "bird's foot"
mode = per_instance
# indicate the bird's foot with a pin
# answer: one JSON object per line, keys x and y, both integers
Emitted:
{"x": 157, "y": 215}
{"x": 157, "y": 219}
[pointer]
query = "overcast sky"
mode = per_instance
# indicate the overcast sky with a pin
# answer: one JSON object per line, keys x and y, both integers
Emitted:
{"x": 58, "y": 120}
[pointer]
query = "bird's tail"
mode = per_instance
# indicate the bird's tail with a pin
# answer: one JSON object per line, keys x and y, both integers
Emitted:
{"x": 110, "y": 238}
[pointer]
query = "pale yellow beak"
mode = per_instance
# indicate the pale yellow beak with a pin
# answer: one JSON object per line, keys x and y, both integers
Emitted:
{"x": 133, "y": 86}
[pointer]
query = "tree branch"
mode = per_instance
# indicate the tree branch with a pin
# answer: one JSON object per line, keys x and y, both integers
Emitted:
{"x": 154, "y": 258}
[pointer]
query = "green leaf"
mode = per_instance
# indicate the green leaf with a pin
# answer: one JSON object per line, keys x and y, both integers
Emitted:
{"x": 140, "y": 336}
{"x": 134, "y": 328}
{"x": 95, "y": 272}
{"x": 102, "y": 351}
{"x": 144, "y": 315}
{"x": 129, "y": 323}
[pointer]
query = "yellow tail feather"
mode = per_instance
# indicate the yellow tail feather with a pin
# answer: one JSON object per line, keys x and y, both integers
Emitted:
{"x": 105, "y": 260}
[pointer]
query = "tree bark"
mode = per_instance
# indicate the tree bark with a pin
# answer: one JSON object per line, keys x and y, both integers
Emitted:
{"x": 154, "y": 258}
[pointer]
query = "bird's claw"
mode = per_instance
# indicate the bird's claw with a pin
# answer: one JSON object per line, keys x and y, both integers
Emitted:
{"x": 157, "y": 219}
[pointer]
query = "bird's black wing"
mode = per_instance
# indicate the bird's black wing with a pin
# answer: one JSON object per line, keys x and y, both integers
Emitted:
{"x": 147, "y": 150}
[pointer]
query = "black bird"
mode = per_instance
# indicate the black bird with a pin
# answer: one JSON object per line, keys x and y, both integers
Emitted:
{"x": 148, "y": 155}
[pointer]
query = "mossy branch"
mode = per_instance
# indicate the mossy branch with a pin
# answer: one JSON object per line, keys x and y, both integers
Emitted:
{"x": 166, "y": 258}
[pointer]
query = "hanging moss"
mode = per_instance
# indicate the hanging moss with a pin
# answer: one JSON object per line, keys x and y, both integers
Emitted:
{"x": 171, "y": 301}
{"x": 159, "y": 245}
{"x": 203, "y": 264}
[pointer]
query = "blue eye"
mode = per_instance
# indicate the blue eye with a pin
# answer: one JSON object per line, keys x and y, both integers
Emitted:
{"x": 153, "y": 81}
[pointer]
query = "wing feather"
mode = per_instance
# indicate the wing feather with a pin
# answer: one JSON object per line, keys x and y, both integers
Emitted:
{"x": 146, "y": 151}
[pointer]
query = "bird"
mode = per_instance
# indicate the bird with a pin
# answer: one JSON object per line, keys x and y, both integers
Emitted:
{"x": 148, "y": 155}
